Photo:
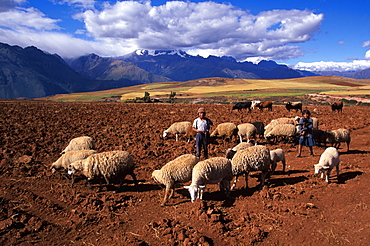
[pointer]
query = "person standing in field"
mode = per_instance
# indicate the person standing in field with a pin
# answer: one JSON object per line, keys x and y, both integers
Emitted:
{"x": 305, "y": 126}
{"x": 201, "y": 126}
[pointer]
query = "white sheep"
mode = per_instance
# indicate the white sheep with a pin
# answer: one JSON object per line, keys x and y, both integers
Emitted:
{"x": 70, "y": 156}
{"x": 80, "y": 143}
{"x": 276, "y": 156}
{"x": 231, "y": 151}
{"x": 225, "y": 130}
{"x": 247, "y": 130}
{"x": 328, "y": 160}
{"x": 177, "y": 128}
{"x": 335, "y": 137}
{"x": 255, "y": 158}
{"x": 178, "y": 170}
{"x": 210, "y": 171}
{"x": 285, "y": 131}
{"x": 109, "y": 165}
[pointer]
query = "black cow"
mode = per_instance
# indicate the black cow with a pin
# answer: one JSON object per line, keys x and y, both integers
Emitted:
{"x": 337, "y": 106}
{"x": 240, "y": 105}
{"x": 293, "y": 105}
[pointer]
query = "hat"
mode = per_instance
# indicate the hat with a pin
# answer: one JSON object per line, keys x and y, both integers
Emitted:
{"x": 201, "y": 110}
{"x": 306, "y": 111}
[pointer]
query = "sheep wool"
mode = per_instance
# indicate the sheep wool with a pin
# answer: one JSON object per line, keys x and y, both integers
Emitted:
{"x": 69, "y": 157}
{"x": 338, "y": 136}
{"x": 328, "y": 160}
{"x": 80, "y": 143}
{"x": 255, "y": 158}
{"x": 231, "y": 152}
{"x": 177, "y": 128}
{"x": 210, "y": 171}
{"x": 178, "y": 170}
{"x": 283, "y": 131}
{"x": 247, "y": 130}
{"x": 108, "y": 165}
{"x": 226, "y": 130}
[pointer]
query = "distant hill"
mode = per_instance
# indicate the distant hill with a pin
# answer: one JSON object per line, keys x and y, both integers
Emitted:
{"x": 363, "y": 74}
{"x": 96, "y": 67}
{"x": 31, "y": 73}
{"x": 179, "y": 66}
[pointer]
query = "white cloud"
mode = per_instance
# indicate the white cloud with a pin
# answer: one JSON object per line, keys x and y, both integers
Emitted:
{"x": 205, "y": 28}
{"x": 366, "y": 44}
{"x": 355, "y": 65}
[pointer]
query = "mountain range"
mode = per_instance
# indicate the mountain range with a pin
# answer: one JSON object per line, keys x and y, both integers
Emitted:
{"x": 31, "y": 73}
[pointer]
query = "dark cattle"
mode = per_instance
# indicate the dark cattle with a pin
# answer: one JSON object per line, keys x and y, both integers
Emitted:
{"x": 265, "y": 104}
{"x": 293, "y": 105}
{"x": 240, "y": 105}
{"x": 337, "y": 106}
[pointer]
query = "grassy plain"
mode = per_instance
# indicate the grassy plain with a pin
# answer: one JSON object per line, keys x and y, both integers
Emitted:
{"x": 228, "y": 89}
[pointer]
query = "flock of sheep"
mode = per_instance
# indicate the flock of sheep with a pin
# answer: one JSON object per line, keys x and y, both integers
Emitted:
{"x": 80, "y": 156}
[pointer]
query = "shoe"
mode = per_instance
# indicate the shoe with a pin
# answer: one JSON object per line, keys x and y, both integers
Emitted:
{"x": 312, "y": 155}
{"x": 298, "y": 156}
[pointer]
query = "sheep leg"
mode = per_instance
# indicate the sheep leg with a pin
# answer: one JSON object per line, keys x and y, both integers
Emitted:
{"x": 284, "y": 165}
{"x": 165, "y": 196}
{"x": 177, "y": 137}
{"x": 246, "y": 180}
{"x": 234, "y": 183}
{"x": 327, "y": 176}
{"x": 347, "y": 146}
{"x": 200, "y": 193}
{"x": 337, "y": 171}
{"x": 263, "y": 176}
{"x": 119, "y": 187}
{"x": 241, "y": 139}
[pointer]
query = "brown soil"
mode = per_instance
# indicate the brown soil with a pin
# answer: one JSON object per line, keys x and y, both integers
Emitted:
{"x": 294, "y": 208}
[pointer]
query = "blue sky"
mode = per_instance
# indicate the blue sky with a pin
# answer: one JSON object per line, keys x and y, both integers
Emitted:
{"x": 309, "y": 34}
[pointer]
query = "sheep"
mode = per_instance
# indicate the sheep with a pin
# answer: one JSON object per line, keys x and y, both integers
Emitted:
{"x": 286, "y": 131}
{"x": 248, "y": 130}
{"x": 231, "y": 151}
{"x": 108, "y": 165}
{"x": 277, "y": 121}
{"x": 328, "y": 160}
{"x": 260, "y": 128}
{"x": 80, "y": 143}
{"x": 70, "y": 156}
{"x": 177, "y": 128}
{"x": 177, "y": 170}
{"x": 210, "y": 171}
{"x": 276, "y": 156}
{"x": 190, "y": 133}
{"x": 226, "y": 130}
{"x": 255, "y": 158}
{"x": 335, "y": 137}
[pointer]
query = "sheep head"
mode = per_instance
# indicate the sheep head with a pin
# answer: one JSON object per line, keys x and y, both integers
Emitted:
{"x": 195, "y": 191}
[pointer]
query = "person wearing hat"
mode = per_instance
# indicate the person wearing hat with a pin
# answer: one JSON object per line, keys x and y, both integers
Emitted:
{"x": 305, "y": 126}
{"x": 201, "y": 126}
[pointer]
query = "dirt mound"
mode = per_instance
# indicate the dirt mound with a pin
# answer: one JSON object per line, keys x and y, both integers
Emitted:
{"x": 294, "y": 208}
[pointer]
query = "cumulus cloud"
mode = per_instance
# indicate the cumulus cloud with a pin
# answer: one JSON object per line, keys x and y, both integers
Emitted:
{"x": 6, "y": 5}
{"x": 205, "y": 28}
{"x": 355, "y": 65}
{"x": 366, "y": 44}
{"x": 218, "y": 29}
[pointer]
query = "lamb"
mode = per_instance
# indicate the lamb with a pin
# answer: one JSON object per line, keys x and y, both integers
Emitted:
{"x": 255, "y": 158}
{"x": 276, "y": 156}
{"x": 286, "y": 131}
{"x": 177, "y": 128}
{"x": 328, "y": 160}
{"x": 246, "y": 130}
{"x": 226, "y": 130}
{"x": 80, "y": 143}
{"x": 231, "y": 151}
{"x": 109, "y": 165}
{"x": 210, "y": 171}
{"x": 177, "y": 170}
{"x": 70, "y": 156}
{"x": 338, "y": 136}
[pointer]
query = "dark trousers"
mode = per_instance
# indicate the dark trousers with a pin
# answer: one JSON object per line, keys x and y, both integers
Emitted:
{"x": 201, "y": 141}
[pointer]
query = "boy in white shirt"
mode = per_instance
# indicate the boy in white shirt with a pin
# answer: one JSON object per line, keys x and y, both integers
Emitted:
{"x": 201, "y": 126}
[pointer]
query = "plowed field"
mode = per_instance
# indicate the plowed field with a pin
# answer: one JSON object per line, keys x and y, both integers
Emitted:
{"x": 294, "y": 208}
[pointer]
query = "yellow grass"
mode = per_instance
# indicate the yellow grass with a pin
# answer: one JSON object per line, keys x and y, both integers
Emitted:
{"x": 228, "y": 87}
